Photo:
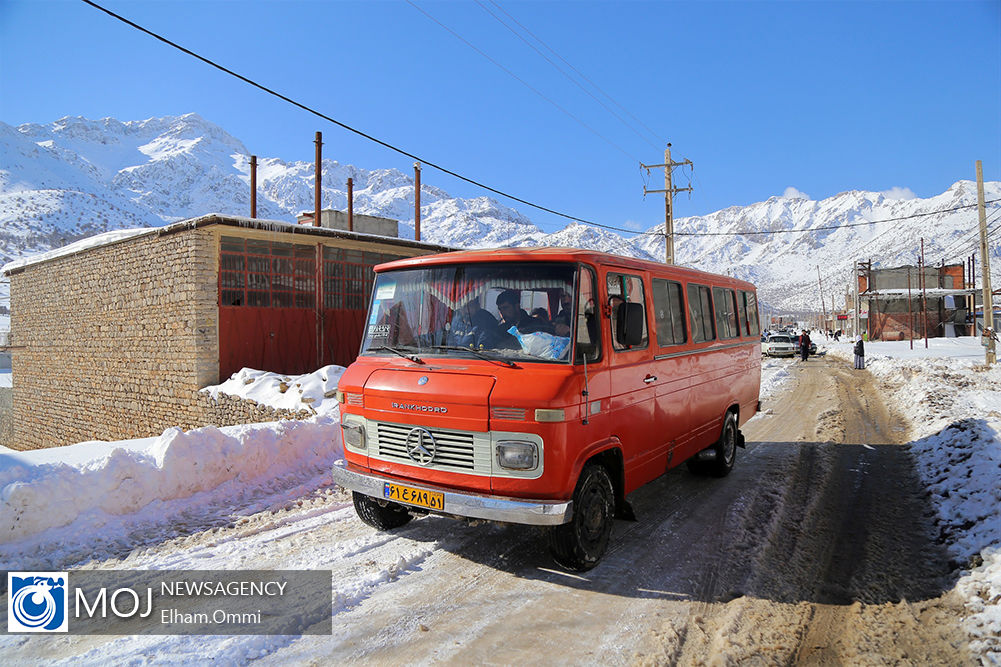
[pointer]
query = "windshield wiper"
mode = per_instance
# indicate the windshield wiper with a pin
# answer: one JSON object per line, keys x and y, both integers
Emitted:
{"x": 479, "y": 353}
{"x": 412, "y": 357}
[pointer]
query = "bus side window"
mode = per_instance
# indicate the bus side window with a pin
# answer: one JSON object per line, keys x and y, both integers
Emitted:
{"x": 726, "y": 314}
{"x": 587, "y": 345}
{"x": 628, "y": 311}
{"x": 751, "y": 299}
{"x": 742, "y": 324}
{"x": 668, "y": 307}
{"x": 700, "y": 310}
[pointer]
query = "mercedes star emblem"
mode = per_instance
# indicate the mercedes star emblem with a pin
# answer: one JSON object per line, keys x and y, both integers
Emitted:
{"x": 421, "y": 446}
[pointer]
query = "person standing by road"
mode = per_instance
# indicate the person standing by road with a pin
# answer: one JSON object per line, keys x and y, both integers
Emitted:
{"x": 859, "y": 354}
{"x": 804, "y": 345}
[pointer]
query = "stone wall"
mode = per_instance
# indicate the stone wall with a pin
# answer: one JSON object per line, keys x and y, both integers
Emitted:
{"x": 114, "y": 342}
{"x": 230, "y": 410}
{"x": 6, "y": 416}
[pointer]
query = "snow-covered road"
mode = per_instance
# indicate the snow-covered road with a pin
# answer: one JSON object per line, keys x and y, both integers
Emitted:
{"x": 776, "y": 562}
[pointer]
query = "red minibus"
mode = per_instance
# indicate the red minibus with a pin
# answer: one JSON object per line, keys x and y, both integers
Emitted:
{"x": 542, "y": 386}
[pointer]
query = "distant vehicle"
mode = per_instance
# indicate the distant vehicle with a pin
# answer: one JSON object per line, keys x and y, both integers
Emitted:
{"x": 813, "y": 346}
{"x": 779, "y": 345}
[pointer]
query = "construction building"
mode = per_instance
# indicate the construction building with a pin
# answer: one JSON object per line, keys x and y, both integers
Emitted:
{"x": 896, "y": 304}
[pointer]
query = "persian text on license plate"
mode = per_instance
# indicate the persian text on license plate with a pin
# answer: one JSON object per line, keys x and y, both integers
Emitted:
{"x": 404, "y": 494}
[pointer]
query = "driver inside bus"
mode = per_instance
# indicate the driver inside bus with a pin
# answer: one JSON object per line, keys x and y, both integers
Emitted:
{"x": 472, "y": 326}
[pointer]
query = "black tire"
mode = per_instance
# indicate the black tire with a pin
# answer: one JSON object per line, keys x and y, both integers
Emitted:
{"x": 726, "y": 448}
{"x": 380, "y": 514}
{"x": 580, "y": 544}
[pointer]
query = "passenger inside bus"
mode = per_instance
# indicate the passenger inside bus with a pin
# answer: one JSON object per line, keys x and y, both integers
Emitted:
{"x": 512, "y": 314}
{"x": 561, "y": 323}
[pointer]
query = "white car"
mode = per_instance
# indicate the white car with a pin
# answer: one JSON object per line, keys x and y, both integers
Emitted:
{"x": 779, "y": 345}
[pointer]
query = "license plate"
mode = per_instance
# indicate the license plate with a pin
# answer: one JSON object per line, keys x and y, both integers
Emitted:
{"x": 404, "y": 494}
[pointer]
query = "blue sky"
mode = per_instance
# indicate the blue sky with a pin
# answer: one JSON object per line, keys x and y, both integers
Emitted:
{"x": 822, "y": 97}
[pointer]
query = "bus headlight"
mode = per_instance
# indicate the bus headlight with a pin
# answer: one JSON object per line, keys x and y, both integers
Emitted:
{"x": 354, "y": 435}
{"x": 517, "y": 455}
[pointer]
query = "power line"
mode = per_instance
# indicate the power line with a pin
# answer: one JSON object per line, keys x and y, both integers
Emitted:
{"x": 520, "y": 80}
{"x": 964, "y": 239}
{"x": 345, "y": 126}
{"x": 479, "y": 184}
{"x": 828, "y": 227}
{"x": 858, "y": 251}
{"x": 557, "y": 67}
{"x": 579, "y": 73}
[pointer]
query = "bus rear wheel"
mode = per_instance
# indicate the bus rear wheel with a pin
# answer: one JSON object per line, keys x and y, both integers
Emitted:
{"x": 580, "y": 544}
{"x": 722, "y": 454}
{"x": 380, "y": 514}
{"x": 726, "y": 448}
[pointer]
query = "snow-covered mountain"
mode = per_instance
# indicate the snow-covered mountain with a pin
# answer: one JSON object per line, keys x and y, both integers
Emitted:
{"x": 76, "y": 177}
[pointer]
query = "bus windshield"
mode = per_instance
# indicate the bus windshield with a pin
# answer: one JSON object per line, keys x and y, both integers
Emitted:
{"x": 509, "y": 311}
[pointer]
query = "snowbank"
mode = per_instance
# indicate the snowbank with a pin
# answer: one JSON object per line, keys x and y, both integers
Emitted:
{"x": 315, "y": 389}
{"x": 953, "y": 402}
{"x": 72, "y": 496}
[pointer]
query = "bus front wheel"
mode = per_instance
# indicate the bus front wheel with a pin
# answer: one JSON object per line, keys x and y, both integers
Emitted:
{"x": 382, "y": 515}
{"x": 580, "y": 544}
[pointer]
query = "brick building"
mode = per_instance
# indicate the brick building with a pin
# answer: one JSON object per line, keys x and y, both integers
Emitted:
{"x": 894, "y": 312}
{"x": 112, "y": 337}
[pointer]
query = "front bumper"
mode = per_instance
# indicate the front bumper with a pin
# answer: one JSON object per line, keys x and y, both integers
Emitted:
{"x": 461, "y": 503}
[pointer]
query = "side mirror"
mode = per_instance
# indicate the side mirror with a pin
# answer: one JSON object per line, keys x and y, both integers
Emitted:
{"x": 629, "y": 324}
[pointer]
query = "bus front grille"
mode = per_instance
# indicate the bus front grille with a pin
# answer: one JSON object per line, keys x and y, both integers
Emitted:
{"x": 454, "y": 450}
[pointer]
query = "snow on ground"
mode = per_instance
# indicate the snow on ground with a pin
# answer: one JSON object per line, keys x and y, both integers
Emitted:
{"x": 61, "y": 506}
{"x": 314, "y": 389}
{"x": 953, "y": 402}
{"x": 98, "y": 500}
{"x": 774, "y": 375}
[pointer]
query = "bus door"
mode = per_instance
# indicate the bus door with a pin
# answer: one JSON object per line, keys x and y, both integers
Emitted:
{"x": 632, "y": 392}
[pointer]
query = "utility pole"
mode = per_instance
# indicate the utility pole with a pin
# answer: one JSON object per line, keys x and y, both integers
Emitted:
{"x": 910, "y": 315}
{"x": 823, "y": 304}
{"x": 855, "y": 317}
{"x": 971, "y": 298}
{"x": 668, "y": 199}
{"x": 924, "y": 294}
{"x": 973, "y": 284}
{"x": 985, "y": 266}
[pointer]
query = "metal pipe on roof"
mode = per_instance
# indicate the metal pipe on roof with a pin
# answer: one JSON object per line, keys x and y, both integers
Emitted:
{"x": 253, "y": 186}
{"x": 417, "y": 201}
{"x": 316, "y": 180}
{"x": 351, "y": 205}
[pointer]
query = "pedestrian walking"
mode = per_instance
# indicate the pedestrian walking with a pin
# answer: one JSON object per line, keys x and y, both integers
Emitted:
{"x": 859, "y": 354}
{"x": 804, "y": 345}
